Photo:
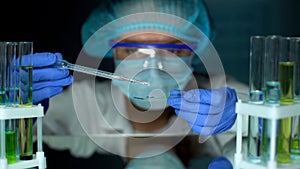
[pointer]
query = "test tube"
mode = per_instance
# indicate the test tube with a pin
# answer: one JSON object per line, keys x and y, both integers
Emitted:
{"x": 257, "y": 51}
{"x": 2, "y": 73}
{"x": 296, "y": 49}
{"x": 25, "y": 51}
{"x": 271, "y": 81}
{"x": 2, "y": 97}
{"x": 286, "y": 71}
{"x": 286, "y": 78}
{"x": 295, "y": 133}
{"x": 11, "y": 74}
{"x": 271, "y": 89}
{"x": 11, "y": 95}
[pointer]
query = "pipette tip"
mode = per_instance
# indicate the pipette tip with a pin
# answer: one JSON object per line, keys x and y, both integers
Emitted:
{"x": 140, "y": 82}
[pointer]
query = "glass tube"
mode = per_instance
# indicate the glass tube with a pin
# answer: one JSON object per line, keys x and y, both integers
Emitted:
{"x": 296, "y": 50}
{"x": 286, "y": 78}
{"x": 295, "y": 133}
{"x": 11, "y": 98}
{"x": 257, "y": 50}
{"x": 2, "y": 96}
{"x": 25, "y": 51}
{"x": 286, "y": 71}
{"x": 295, "y": 139}
{"x": 271, "y": 81}
{"x": 271, "y": 88}
{"x": 2, "y": 73}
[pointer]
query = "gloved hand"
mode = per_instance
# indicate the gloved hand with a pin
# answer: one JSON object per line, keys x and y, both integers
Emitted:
{"x": 48, "y": 81}
{"x": 206, "y": 111}
{"x": 220, "y": 163}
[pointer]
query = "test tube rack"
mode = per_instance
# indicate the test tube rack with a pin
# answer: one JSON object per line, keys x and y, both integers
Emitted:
{"x": 273, "y": 113}
{"x": 39, "y": 159}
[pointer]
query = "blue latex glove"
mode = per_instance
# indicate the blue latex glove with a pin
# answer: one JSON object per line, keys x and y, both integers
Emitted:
{"x": 220, "y": 163}
{"x": 205, "y": 115}
{"x": 48, "y": 81}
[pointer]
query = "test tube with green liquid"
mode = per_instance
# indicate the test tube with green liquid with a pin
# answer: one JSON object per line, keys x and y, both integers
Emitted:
{"x": 10, "y": 141}
{"x": 286, "y": 78}
{"x": 271, "y": 88}
{"x": 25, "y": 51}
{"x": 2, "y": 99}
{"x": 11, "y": 98}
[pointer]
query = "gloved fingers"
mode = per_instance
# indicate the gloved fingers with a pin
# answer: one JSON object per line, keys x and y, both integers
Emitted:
{"x": 55, "y": 83}
{"x": 228, "y": 111}
{"x": 226, "y": 125}
{"x": 176, "y": 93}
{"x": 192, "y": 96}
{"x": 174, "y": 102}
{"x": 198, "y": 96}
{"x": 179, "y": 103}
{"x": 44, "y": 93}
{"x": 58, "y": 56}
{"x": 213, "y": 127}
{"x": 202, "y": 130}
{"x": 45, "y": 59}
{"x": 41, "y": 59}
{"x": 199, "y": 119}
{"x": 214, "y": 97}
{"x": 49, "y": 74}
{"x": 220, "y": 162}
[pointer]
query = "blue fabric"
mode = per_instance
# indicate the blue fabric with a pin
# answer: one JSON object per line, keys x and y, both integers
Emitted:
{"x": 206, "y": 111}
{"x": 48, "y": 81}
{"x": 112, "y": 18}
{"x": 220, "y": 163}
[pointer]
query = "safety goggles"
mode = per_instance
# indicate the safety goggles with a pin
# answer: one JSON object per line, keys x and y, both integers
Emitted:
{"x": 133, "y": 50}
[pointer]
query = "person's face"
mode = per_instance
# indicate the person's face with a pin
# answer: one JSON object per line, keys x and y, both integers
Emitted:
{"x": 122, "y": 53}
{"x": 162, "y": 60}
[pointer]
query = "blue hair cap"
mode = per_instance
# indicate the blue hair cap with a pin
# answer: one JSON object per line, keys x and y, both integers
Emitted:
{"x": 113, "y": 18}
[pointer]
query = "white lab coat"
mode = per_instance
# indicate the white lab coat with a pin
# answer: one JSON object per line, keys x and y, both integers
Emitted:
{"x": 80, "y": 110}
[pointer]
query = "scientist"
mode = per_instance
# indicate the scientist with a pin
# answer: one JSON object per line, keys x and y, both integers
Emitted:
{"x": 149, "y": 40}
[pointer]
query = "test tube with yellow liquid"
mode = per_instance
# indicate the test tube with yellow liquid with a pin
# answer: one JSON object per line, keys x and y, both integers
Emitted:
{"x": 25, "y": 51}
{"x": 286, "y": 78}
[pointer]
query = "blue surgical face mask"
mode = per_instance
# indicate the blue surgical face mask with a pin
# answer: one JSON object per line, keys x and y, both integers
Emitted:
{"x": 163, "y": 73}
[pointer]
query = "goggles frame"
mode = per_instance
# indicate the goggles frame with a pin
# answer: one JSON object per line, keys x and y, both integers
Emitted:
{"x": 176, "y": 47}
{"x": 154, "y": 45}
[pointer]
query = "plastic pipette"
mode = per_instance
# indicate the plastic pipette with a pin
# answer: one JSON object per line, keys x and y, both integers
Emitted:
{"x": 63, "y": 64}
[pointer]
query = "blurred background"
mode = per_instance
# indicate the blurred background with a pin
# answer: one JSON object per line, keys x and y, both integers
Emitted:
{"x": 54, "y": 26}
{"x": 237, "y": 20}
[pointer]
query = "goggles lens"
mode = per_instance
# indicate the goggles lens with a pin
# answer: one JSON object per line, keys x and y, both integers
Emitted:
{"x": 131, "y": 50}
